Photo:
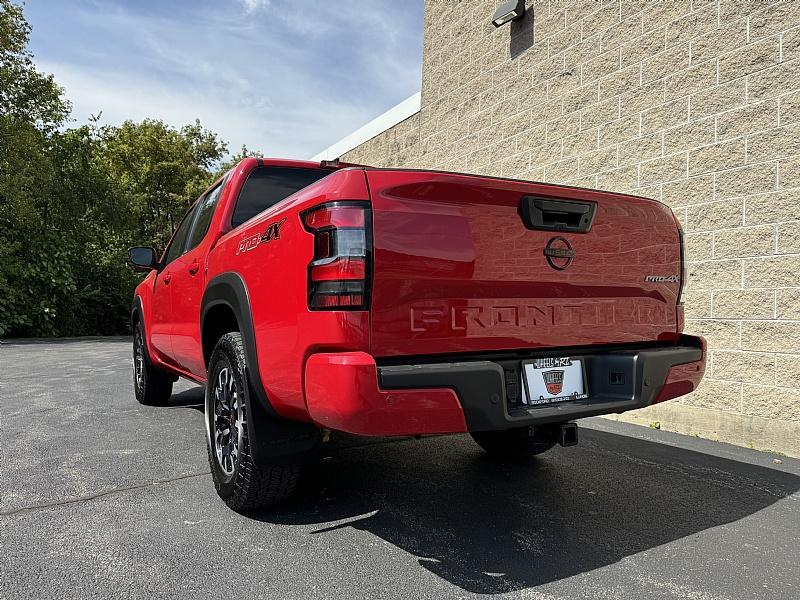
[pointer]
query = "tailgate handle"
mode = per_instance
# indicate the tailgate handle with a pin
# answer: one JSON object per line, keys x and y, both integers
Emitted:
{"x": 547, "y": 214}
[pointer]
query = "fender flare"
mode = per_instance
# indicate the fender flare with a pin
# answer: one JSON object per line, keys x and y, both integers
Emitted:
{"x": 230, "y": 290}
{"x": 272, "y": 437}
{"x": 137, "y": 308}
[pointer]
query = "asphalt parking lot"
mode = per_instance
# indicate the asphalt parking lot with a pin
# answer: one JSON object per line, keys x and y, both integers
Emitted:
{"x": 104, "y": 498}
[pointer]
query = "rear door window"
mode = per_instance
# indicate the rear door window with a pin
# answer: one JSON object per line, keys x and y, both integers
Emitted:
{"x": 266, "y": 186}
{"x": 205, "y": 210}
{"x": 179, "y": 239}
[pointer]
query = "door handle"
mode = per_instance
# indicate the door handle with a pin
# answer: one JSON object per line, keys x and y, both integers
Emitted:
{"x": 556, "y": 215}
{"x": 167, "y": 278}
{"x": 194, "y": 268}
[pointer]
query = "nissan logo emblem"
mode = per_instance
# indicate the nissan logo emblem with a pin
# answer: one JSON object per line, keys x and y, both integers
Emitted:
{"x": 559, "y": 253}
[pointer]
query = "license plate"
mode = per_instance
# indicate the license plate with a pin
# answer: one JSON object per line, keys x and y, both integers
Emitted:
{"x": 549, "y": 380}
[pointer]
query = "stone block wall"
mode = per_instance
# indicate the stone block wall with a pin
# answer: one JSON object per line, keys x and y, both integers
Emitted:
{"x": 693, "y": 103}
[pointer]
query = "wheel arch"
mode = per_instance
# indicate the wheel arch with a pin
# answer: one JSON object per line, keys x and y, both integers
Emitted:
{"x": 137, "y": 317}
{"x": 272, "y": 437}
{"x": 136, "y": 311}
{"x": 217, "y": 319}
{"x": 226, "y": 297}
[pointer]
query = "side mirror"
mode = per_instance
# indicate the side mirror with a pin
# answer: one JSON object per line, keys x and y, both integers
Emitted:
{"x": 143, "y": 258}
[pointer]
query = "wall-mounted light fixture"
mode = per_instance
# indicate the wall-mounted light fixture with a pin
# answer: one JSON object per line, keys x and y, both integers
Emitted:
{"x": 511, "y": 10}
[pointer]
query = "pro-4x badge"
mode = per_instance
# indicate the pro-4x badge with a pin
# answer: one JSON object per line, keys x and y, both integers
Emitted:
{"x": 272, "y": 232}
{"x": 661, "y": 278}
{"x": 553, "y": 381}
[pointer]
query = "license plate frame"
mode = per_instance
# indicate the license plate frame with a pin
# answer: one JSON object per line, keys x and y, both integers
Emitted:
{"x": 539, "y": 375}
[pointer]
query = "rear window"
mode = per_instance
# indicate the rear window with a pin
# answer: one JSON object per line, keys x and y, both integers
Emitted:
{"x": 266, "y": 186}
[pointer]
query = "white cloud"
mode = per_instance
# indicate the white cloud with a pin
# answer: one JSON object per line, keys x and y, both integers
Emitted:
{"x": 254, "y": 5}
{"x": 120, "y": 96}
{"x": 285, "y": 88}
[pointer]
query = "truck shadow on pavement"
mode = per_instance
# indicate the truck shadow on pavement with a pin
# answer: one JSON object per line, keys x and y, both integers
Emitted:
{"x": 193, "y": 398}
{"x": 492, "y": 528}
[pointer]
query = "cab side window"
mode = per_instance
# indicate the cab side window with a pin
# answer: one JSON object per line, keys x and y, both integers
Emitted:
{"x": 205, "y": 210}
{"x": 266, "y": 186}
{"x": 179, "y": 239}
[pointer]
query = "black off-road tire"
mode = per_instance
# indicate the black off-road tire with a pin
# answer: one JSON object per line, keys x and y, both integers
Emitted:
{"x": 511, "y": 444}
{"x": 151, "y": 385}
{"x": 248, "y": 486}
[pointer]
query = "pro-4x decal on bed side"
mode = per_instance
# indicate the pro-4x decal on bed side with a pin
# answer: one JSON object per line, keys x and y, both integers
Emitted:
{"x": 272, "y": 232}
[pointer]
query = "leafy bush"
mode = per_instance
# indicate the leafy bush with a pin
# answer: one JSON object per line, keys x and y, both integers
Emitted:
{"x": 73, "y": 200}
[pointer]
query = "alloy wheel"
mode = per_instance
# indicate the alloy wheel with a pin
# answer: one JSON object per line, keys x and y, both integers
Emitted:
{"x": 138, "y": 361}
{"x": 229, "y": 421}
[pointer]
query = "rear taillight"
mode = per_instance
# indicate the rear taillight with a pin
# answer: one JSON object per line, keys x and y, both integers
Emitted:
{"x": 339, "y": 273}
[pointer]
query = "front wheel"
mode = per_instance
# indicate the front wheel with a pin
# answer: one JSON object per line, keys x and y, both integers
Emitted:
{"x": 511, "y": 444}
{"x": 241, "y": 483}
{"x": 151, "y": 385}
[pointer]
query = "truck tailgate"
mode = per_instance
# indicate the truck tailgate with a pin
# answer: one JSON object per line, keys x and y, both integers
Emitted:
{"x": 457, "y": 270}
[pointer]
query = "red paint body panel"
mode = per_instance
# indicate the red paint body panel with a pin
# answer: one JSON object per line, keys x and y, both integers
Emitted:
{"x": 343, "y": 394}
{"x": 159, "y": 325}
{"x": 275, "y": 274}
{"x": 683, "y": 379}
{"x": 456, "y": 270}
{"x": 453, "y": 271}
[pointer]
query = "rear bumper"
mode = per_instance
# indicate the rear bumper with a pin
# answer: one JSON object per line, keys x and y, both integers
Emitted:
{"x": 347, "y": 391}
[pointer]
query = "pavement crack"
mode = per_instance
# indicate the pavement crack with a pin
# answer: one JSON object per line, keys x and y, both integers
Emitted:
{"x": 110, "y": 492}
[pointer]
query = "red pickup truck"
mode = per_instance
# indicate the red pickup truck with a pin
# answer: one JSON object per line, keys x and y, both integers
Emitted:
{"x": 316, "y": 297}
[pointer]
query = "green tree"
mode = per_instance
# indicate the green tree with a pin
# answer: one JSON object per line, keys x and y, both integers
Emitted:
{"x": 159, "y": 171}
{"x": 31, "y": 107}
{"x": 234, "y": 159}
{"x": 26, "y": 95}
{"x": 73, "y": 200}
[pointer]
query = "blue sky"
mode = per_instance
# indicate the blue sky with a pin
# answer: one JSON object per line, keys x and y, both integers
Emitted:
{"x": 286, "y": 78}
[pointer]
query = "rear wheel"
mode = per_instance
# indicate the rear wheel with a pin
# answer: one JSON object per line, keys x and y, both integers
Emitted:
{"x": 511, "y": 444}
{"x": 152, "y": 386}
{"x": 241, "y": 483}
